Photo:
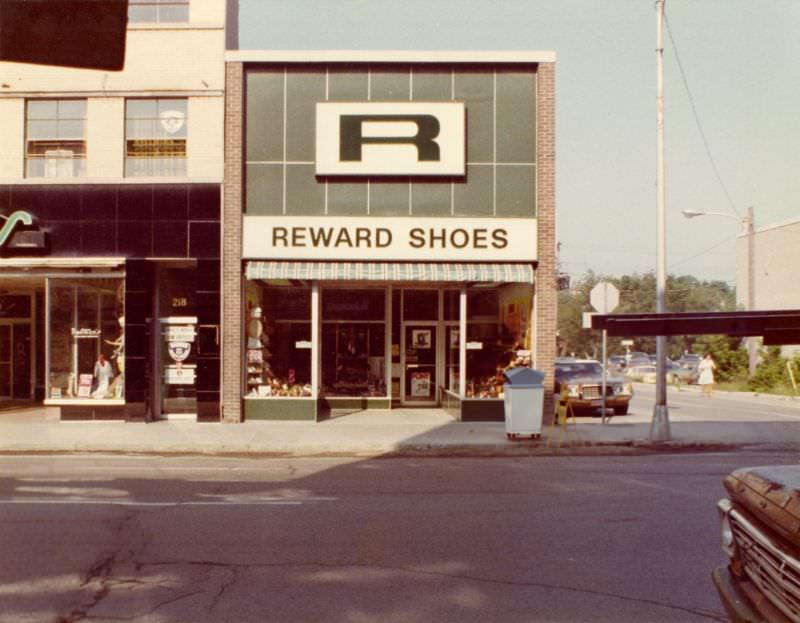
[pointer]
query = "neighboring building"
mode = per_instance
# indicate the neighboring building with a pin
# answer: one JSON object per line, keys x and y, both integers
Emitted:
{"x": 110, "y": 244}
{"x": 389, "y": 224}
{"x": 775, "y": 255}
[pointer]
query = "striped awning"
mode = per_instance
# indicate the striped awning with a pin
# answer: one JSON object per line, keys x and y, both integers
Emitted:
{"x": 390, "y": 271}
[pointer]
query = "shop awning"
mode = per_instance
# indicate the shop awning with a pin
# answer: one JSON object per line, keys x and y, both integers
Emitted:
{"x": 390, "y": 271}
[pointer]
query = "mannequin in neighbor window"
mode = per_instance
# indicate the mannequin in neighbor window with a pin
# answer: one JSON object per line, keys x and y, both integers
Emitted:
{"x": 103, "y": 373}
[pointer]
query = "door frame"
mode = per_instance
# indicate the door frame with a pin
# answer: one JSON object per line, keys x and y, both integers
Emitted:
{"x": 31, "y": 322}
{"x": 435, "y": 324}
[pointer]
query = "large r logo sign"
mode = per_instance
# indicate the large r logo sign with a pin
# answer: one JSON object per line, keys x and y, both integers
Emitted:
{"x": 391, "y": 138}
{"x": 352, "y": 135}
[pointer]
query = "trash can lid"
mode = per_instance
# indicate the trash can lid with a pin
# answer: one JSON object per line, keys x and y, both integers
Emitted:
{"x": 524, "y": 377}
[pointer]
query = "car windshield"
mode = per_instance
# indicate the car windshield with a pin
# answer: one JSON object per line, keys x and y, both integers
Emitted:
{"x": 582, "y": 368}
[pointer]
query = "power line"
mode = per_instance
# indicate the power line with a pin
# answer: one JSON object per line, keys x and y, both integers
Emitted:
{"x": 697, "y": 120}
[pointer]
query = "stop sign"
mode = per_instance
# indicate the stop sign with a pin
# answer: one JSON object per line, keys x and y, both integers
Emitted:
{"x": 604, "y": 297}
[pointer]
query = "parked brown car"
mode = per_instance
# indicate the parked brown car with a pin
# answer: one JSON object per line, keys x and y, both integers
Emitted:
{"x": 761, "y": 536}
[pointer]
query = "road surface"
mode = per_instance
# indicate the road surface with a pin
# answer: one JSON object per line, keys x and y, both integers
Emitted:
{"x": 201, "y": 539}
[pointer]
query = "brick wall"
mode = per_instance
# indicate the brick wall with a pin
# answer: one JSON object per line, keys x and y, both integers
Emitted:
{"x": 546, "y": 290}
{"x": 231, "y": 246}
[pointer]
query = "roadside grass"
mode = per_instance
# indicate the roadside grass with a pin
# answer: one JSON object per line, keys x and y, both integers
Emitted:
{"x": 780, "y": 389}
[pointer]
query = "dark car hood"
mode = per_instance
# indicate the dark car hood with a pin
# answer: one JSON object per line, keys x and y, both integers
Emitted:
{"x": 771, "y": 494}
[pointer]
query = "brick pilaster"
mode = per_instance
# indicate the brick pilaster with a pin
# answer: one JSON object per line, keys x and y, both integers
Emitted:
{"x": 546, "y": 288}
{"x": 232, "y": 352}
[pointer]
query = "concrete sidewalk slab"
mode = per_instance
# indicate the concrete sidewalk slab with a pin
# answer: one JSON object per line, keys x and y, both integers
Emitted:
{"x": 400, "y": 432}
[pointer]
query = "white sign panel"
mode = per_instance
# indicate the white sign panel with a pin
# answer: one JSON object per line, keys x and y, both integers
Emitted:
{"x": 391, "y": 138}
{"x": 179, "y": 375}
{"x": 604, "y": 297}
{"x": 390, "y": 239}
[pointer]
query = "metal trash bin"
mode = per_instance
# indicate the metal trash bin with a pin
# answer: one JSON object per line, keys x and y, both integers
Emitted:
{"x": 523, "y": 401}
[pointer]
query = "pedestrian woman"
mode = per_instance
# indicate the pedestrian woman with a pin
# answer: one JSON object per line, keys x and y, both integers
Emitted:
{"x": 706, "y": 380}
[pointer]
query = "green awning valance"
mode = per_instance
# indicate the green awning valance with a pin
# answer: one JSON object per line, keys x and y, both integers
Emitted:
{"x": 390, "y": 271}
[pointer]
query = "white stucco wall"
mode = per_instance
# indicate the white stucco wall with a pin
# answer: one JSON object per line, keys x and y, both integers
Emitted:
{"x": 775, "y": 260}
{"x": 184, "y": 59}
{"x": 162, "y": 60}
{"x": 105, "y": 137}
{"x": 206, "y": 137}
{"x": 12, "y": 137}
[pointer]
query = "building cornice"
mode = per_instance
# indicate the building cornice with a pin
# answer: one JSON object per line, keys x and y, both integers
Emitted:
{"x": 390, "y": 56}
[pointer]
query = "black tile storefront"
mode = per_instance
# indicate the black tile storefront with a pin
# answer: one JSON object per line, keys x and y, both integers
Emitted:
{"x": 155, "y": 228}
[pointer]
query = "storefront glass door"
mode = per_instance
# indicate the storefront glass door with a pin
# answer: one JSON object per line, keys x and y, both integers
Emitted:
{"x": 6, "y": 349}
{"x": 15, "y": 360}
{"x": 179, "y": 365}
{"x": 419, "y": 364}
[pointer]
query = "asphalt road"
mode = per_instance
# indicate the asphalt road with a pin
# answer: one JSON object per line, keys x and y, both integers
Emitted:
{"x": 688, "y": 405}
{"x": 199, "y": 539}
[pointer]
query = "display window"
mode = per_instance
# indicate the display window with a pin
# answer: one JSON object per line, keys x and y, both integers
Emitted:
{"x": 85, "y": 324}
{"x": 278, "y": 343}
{"x": 498, "y": 339}
{"x": 353, "y": 342}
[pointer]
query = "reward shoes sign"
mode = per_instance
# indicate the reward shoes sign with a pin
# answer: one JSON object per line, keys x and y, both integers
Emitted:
{"x": 392, "y": 238}
{"x": 379, "y": 138}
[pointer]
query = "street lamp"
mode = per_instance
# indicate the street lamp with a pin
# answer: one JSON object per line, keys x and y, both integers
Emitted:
{"x": 748, "y": 230}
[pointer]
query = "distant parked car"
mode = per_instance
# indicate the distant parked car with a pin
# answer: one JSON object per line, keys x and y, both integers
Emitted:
{"x": 583, "y": 379}
{"x": 648, "y": 373}
{"x": 689, "y": 370}
{"x": 638, "y": 359}
{"x": 617, "y": 363}
{"x": 641, "y": 374}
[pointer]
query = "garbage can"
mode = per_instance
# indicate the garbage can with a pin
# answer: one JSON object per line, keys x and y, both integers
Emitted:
{"x": 523, "y": 400}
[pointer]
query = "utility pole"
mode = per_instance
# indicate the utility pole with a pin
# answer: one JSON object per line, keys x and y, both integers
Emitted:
{"x": 749, "y": 228}
{"x": 659, "y": 426}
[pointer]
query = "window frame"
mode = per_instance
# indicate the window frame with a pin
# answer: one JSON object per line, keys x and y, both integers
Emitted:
{"x": 157, "y": 6}
{"x": 56, "y": 143}
{"x": 171, "y": 162}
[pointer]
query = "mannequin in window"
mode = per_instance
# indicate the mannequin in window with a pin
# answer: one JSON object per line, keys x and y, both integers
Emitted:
{"x": 103, "y": 373}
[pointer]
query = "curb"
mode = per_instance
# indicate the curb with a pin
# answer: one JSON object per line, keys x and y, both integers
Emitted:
{"x": 518, "y": 450}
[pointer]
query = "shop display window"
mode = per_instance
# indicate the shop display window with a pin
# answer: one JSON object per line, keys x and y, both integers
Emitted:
{"x": 278, "y": 341}
{"x": 498, "y": 339}
{"x": 353, "y": 343}
{"x": 85, "y": 323}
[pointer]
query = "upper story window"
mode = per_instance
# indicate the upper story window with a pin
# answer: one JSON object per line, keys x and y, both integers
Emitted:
{"x": 55, "y": 138}
{"x": 155, "y": 137}
{"x": 158, "y": 11}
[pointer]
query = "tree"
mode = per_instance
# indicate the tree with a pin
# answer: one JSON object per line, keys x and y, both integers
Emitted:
{"x": 637, "y": 295}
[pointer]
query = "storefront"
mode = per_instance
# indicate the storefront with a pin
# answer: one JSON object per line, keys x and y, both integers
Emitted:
{"x": 109, "y": 300}
{"x": 392, "y": 216}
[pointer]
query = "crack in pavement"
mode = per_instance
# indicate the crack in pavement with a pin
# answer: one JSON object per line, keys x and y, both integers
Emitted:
{"x": 98, "y": 577}
{"x": 456, "y": 576}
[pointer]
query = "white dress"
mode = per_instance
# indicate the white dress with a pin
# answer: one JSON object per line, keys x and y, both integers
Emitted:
{"x": 103, "y": 373}
{"x": 706, "y": 369}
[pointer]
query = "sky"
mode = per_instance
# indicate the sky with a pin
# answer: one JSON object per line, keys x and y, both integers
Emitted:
{"x": 740, "y": 59}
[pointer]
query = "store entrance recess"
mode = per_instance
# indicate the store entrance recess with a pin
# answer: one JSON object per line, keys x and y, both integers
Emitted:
{"x": 16, "y": 355}
{"x": 420, "y": 348}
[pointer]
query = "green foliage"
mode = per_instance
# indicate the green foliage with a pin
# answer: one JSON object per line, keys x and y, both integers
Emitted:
{"x": 637, "y": 295}
{"x": 729, "y": 355}
{"x": 771, "y": 371}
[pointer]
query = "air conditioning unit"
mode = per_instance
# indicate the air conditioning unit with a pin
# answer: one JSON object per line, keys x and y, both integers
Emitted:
{"x": 58, "y": 163}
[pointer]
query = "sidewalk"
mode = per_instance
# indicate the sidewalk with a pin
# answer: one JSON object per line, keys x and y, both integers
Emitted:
{"x": 400, "y": 432}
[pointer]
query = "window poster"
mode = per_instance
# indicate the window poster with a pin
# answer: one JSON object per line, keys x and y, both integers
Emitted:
{"x": 85, "y": 385}
{"x": 421, "y": 338}
{"x": 421, "y": 384}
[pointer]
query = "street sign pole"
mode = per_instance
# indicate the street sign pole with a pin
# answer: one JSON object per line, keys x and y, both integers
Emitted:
{"x": 605, "y": 370}
{"x": 604, "y": 297}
